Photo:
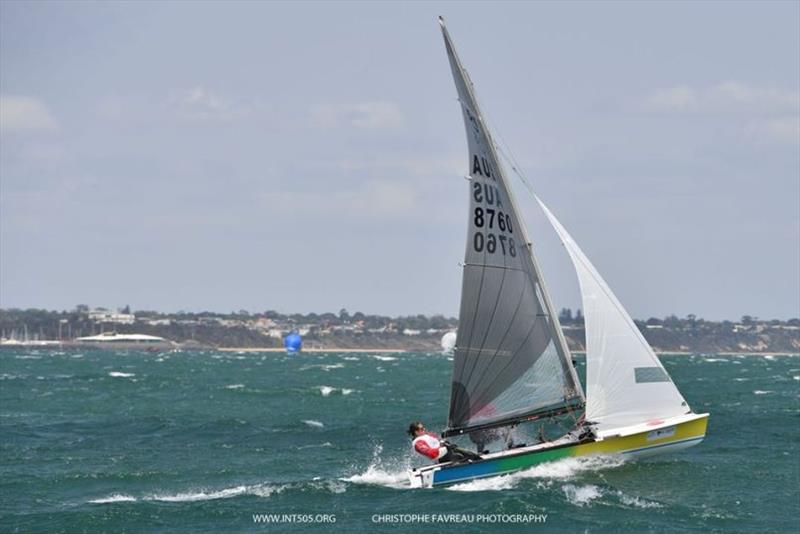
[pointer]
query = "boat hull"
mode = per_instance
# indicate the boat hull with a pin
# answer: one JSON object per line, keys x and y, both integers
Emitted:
{"x": 657, "y": 439}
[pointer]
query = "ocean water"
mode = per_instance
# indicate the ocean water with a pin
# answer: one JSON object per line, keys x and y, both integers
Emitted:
{"x": 200, "y": 442}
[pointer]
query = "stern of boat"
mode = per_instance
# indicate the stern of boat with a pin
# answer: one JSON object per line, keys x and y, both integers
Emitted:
{"x": 421, "y": 477}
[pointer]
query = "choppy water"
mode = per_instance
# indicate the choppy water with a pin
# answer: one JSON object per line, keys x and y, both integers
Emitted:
{"x": 199, "y": 442}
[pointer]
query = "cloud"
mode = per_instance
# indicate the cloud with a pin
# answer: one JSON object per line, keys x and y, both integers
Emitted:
{"x": 25, "y": 114}
{"x": 365, "y": 115}
{"x": 379, "y": 199}
{"x": 679, "y": 98}
{"x": 759, "y": 114}
{"x": 724, "y": 97}
{"x": 199, "y": 103}
{"x": 443, "y": 167}
{"x": 782, "y": 129}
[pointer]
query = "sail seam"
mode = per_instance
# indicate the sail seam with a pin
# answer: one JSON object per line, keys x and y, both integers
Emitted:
{"x": 508, "y": 329}
{"x": 491, "y": 320}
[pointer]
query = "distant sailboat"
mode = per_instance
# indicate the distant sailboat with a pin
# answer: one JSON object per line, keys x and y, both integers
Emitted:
{"x": 511, "y": 363}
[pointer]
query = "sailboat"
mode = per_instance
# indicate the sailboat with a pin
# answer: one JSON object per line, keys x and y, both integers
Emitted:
{"x": 511, "y": 363}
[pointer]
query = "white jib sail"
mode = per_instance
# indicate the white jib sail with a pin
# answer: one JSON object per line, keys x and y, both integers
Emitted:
{"x": 625, "y": 382}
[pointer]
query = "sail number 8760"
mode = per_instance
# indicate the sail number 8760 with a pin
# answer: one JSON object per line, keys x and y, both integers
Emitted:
{"x": 490, "y": 216}
{"x": 490, "y": 242}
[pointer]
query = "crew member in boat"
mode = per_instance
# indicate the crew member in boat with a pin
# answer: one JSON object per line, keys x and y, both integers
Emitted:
{"x": 428, "y": 444}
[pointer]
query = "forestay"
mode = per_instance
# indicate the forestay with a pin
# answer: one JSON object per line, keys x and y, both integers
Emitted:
{"x": 510, "y": 360}
{"x": 625, "y": 382}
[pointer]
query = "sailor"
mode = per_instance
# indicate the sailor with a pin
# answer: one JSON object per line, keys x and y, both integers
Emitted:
{"x": 428, "y": 444}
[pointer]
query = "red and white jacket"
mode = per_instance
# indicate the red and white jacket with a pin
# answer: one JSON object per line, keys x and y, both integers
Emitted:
{"x": 429, "y": 445}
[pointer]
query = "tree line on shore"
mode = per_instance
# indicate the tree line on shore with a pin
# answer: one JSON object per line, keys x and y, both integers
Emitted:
{"x": 344, "y": 329}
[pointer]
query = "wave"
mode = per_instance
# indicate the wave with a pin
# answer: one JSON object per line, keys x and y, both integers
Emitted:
{"x": 582, "y": 495}
{"x": 326, "y": 444}
{"x": 116, "y": 497}
{"x": 324, "y": 367}
{"x": 235, "y": 386}
{"x": 315, "y": 424}
{"x": 6, "y": 376}
{"x": 209, "y": 496}
{"x": 384, "y": 358}
{"x": 263, "y": 490}
{"x": 761, "y": 392}
{"x": 258, "y": 490}
{"x": 380, "y": 472}
{"x": 326, "y": 391}
{"x": 559, "y": 470}
{"x": 120, "y": 374}
{"x": 637, "y": 502}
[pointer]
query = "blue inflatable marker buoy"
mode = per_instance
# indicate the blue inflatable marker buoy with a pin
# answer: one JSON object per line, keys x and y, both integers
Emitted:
{"x": 293, "y": 343}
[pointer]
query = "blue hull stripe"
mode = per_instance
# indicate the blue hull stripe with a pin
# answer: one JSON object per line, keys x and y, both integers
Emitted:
{"x": 489, "y": 468}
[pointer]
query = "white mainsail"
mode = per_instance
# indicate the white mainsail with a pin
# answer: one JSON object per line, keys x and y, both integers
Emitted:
{"x": 625, "y": 382}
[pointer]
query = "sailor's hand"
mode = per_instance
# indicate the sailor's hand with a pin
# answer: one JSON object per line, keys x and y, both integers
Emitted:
{"x": 442, "y": 452}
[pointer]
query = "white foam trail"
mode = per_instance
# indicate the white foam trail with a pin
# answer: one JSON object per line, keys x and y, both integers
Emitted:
{"x": 384, "y": 358}
{"x": 346, "y": 391}
{"x": 637, "y": 502}
{"x": 558, "y": 470}
{"x": 234, "y": 386}
{"x": 324, "y": 367}
{"x": 326, "y": 444}
{"x": 119, "y": 374}
{"x": 113, "y": 498}
{"x": 334, "y": 486}
{"x": 200, "y": 495}
{"x": 315, "y": 424}
{"x": 326, "y": 390}
{"x": 378, "y": 476}
{"x": 259, "y": 490}
{"x": 581, "y": 495}
{"x": 487, "y": 484}
{"x": 394, "y": 475}
{"x": 760, "y": 392}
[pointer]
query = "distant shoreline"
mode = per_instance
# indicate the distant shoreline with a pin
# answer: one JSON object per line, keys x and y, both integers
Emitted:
{"x": 580, "y": 353}
{"x": 316, "y": 349}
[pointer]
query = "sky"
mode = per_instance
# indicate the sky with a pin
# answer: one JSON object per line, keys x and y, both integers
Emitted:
{"x": 308, "y": 156}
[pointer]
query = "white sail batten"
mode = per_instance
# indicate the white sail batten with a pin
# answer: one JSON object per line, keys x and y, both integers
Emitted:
{"x": 625, "y": 381}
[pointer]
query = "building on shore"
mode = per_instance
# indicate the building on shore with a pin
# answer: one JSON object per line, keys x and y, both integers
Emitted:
{"x": 114, "y": 341}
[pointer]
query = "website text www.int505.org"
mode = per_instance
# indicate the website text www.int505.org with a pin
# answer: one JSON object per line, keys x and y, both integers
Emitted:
{"x": 294, "y": 518}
